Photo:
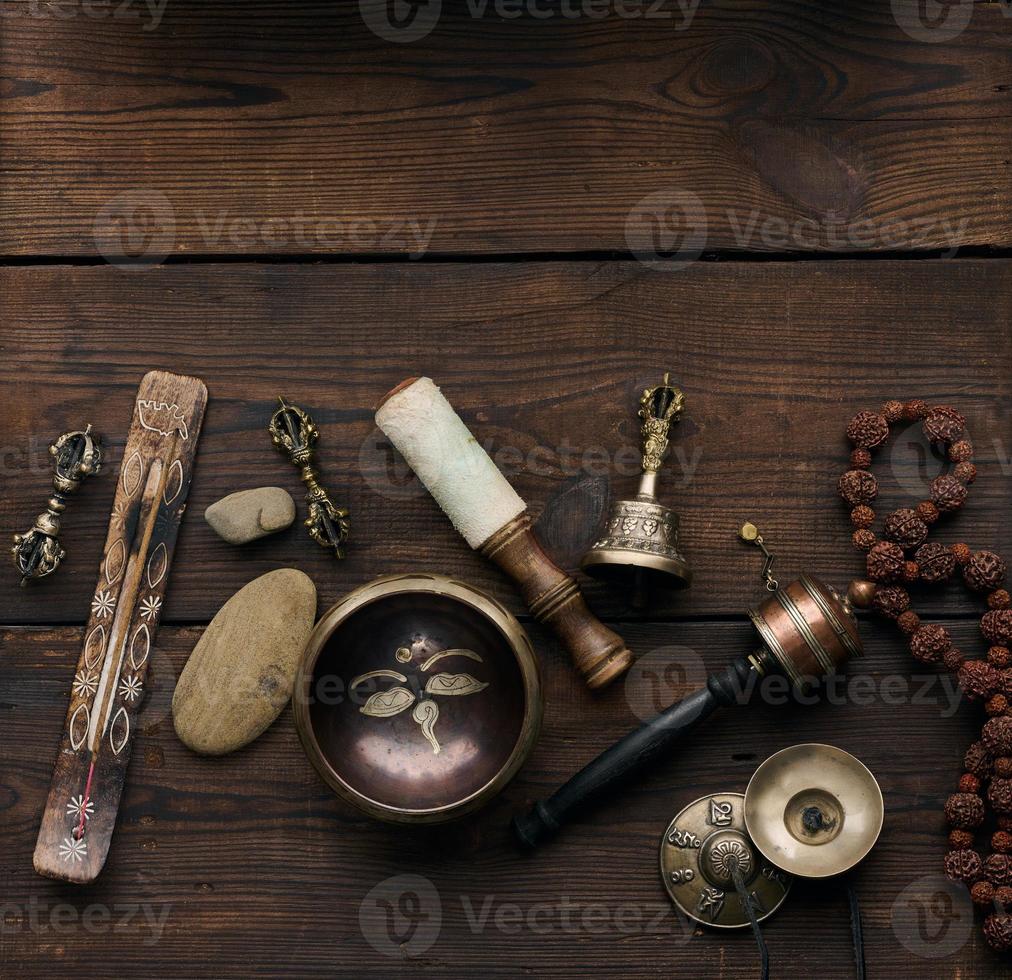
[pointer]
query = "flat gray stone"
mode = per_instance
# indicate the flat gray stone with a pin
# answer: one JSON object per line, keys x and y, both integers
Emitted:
{"x": 240, "y": 674}
{"x": 251, "y": 514}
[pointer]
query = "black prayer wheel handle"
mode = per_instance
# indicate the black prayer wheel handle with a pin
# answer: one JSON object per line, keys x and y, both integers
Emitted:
{"x": 633, "y": 753}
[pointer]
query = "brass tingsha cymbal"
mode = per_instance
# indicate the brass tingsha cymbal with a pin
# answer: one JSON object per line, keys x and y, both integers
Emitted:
{"x": 814, "y": 810}
{"x": 698, "y": 851}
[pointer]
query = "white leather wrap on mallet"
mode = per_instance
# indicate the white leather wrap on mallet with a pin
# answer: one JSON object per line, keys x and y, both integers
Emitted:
{"x": 493, "y": 519}
{"x": 437, "y": 445}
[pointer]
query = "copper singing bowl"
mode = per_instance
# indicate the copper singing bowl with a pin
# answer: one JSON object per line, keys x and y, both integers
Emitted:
{"x": 418, "y": 698}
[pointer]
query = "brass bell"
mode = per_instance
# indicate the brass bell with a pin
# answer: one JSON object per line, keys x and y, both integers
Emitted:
{"x": 640, "y": 542}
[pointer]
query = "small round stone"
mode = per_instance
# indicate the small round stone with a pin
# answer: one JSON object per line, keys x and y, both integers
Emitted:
{"x": 860, "y": 459}
{"x": 985, "y": 571}
{"x": 862, "y": 516}
{"x": 966, "y": 473}
{"x": 915, "y": 409}
{"x": 944, "y": 424}
{"x": 858, "y": 487}
{"x": 908, "y": 622}
{"x": 947, "y": 493}
{"x": 961, "y": 451}
{"x": 892, "y": 410}
{"x": 863, "y": 539}
{"x": 936, "y": 562}
{"x": 868, "y": 430}
{"x": 885, "y": 562}
{"x": 905, "y": 528}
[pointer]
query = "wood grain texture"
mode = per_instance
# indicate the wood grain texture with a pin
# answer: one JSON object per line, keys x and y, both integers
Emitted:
{"x": 247, "y": 865}
{"x": 545, "y": 363}
{"x": 277, "y": 127}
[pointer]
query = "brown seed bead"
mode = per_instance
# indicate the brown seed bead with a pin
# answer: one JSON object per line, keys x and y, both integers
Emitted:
{"x": 997, "y": 736}
{"x": 1006, "y": 681}
{"x": 947, "y": 493}
{"x": 908, "y": 622}
{"x": 961, "y": 452}
{"x": 891, "y": 601}
{"x": 885, "y": 562}
{"x": 911, "y": 571}
{"x": 985, "y": 571}
{"x": 969, "y": 783}
{"x": 953, "y": 659}
{"x": 1001, "y": 841}
{"x": 905, "y": 528}
{"x": 982, "y": 893}
{"x": 937, "y": 563}
{"x": 999, "y": 792}
{"x": 996, "y": 625}
{"x": 979, "y": 679}
{"x": 965, "y": 473}
{"x": 915, "y": 409}
{"x": 964, "y": 811}
{"x": 978, "y": 760}
{"x": 998, "y": 867}
{"x": 858, "y": 487}
{"x": 999, "y": 599}
{"x": 998, "y": 932}
{"x": 944, "y": 424}
{"x": 999, "y": 656}
{"x": 1003, "y": 896}
{"x": 929, "y": 643}
{"x": 863, "y": 539}
{"x": 928, "y": 512}
{"x": 860, "y": 459}
{"x": 862, "y": 516}
{"x": 1003, "y": 768}
{"x": 961, "y": 552}
{"x": 958, "y": 839}
{"x": 867, "y": 430}
{"x": 997, "y": 705}
{"x": 964, "y": 865}
{"x": 892, "y": 410}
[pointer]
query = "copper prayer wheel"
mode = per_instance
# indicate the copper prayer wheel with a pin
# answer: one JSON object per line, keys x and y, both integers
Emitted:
{"x": 808, "y": 631}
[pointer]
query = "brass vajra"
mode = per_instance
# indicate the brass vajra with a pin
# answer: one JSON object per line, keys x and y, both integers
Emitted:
{"x": 659, "y": 408}
{"x": 37, "y": 552}
{"x": 394, "y": 700}
{"x": 294, "y": 433}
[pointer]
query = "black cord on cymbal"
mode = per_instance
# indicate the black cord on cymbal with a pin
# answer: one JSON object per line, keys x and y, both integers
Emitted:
{"x": 856, "y": 930}
{"x": 746, "y": 904}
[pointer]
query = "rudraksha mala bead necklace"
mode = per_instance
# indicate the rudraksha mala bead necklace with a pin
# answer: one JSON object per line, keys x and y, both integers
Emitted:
{"x": 904, "y": 556}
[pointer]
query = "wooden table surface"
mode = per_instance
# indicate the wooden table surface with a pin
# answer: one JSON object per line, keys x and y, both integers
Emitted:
{"x": 798, "y": 211}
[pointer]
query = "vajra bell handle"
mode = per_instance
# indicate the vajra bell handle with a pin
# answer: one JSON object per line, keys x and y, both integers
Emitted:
{"x": 633, "y": 753}
{"x": 76, "y": 456}
{"x": 294, "y": 433}
{"x": 660, "y": 408}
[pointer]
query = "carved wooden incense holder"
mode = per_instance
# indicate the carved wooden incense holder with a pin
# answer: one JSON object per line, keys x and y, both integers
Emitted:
{"x": 493, "y": 520}
{"x": 108, "y": 688}
{"x": 808, "y": 633}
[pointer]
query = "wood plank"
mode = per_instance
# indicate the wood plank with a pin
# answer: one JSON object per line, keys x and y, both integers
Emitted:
{"x": 275, "y": 127}
{"x": 546, "y": 364}
{"x": 247, "y": 865}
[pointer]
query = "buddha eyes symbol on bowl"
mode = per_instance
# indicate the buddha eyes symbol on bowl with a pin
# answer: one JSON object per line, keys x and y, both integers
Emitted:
{"x": 393, "y": 700}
